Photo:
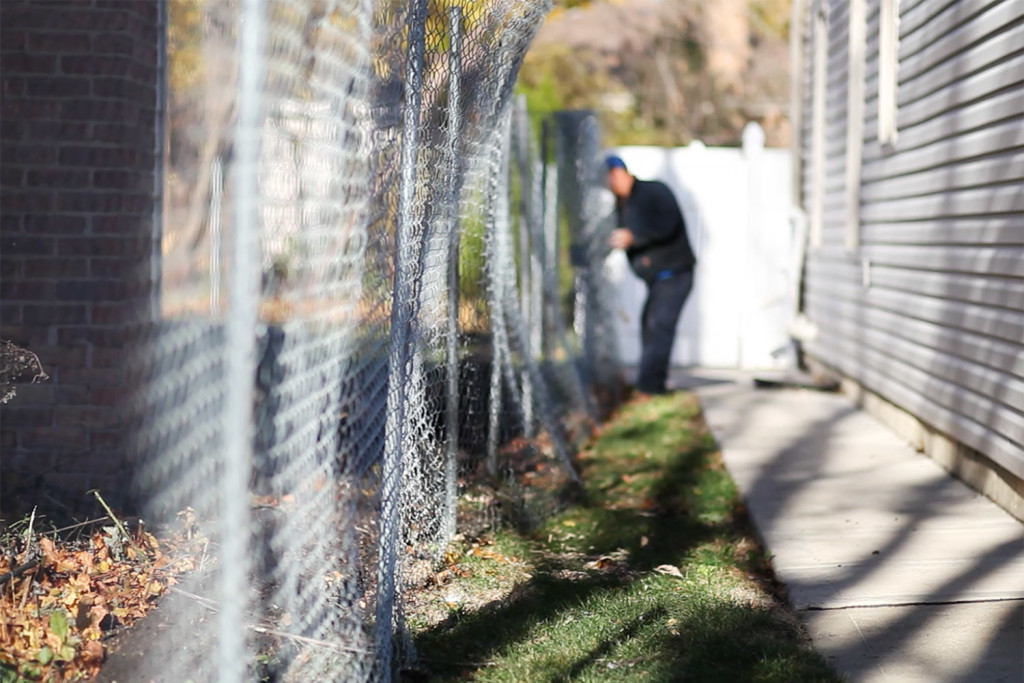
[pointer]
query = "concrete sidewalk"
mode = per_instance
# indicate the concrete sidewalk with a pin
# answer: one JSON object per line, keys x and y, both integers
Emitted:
{"x": 900, "y": 572}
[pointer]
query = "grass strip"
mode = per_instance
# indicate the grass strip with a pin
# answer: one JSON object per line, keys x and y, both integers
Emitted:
{"x": 656, "y": 576}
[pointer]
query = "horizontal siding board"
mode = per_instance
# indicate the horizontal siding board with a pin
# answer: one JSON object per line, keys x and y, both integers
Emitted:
{"x": 987, "y": 231}
{"x": 979, "y": 114}
{"x": 989, "y": 113}
{"x": 997, "y": 355}
{"x": 950, "y": 203}
{"x": 951, "y": 13}
{"x": 996, "y": 323}
{"x": 998, "y": 76}
{"x": 971, "y": 174}
{"x": 998, "y": 386}
{"x": 849, "y": 320}
{"x": 984, "y": 290}
{"x": 921, "y": 75}
{"x": 1008, "y": 261}
{"x": 992, "y": 140}
{"x": 978, "y": 363}
{"x": 952, "y": 31}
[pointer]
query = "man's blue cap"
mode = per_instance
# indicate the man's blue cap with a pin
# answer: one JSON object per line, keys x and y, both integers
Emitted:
{"x": 611, "y": 161}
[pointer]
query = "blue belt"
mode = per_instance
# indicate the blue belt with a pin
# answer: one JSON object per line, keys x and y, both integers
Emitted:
{"x": 664, "y": 275}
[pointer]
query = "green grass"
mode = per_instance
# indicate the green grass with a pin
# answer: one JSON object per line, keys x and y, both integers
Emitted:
{"x": 655, "y": 577}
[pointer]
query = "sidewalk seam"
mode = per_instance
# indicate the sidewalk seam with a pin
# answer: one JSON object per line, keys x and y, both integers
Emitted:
{"x": 923, "y": 603}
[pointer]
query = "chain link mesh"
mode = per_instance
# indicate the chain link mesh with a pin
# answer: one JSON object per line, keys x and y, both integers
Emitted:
{"x": 362, "y": 317}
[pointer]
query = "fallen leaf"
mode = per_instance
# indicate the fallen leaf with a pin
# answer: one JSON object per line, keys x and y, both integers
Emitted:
{"x": 49, "y": 550}
{"x": 669, "y": 569}
{"x": 92, "y": 651}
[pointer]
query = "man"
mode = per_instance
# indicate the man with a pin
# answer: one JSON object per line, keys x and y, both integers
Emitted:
{"x": 653, "y": 234}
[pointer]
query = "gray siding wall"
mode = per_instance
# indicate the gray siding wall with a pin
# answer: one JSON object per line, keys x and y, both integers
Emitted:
{"x": 920, "y": 295}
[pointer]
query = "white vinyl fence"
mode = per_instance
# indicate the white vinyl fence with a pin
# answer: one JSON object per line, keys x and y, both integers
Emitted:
{"x": 736, "y": 203}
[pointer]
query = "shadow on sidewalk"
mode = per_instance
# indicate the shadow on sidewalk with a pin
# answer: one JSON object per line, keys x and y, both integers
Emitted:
{"x": 784, "y": 479}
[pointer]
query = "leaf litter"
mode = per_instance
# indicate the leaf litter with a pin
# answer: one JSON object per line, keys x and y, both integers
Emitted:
{"x": 62, "y": 599}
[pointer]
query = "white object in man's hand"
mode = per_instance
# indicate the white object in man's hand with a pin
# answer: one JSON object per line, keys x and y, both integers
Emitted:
{"x": 621, "y": 238}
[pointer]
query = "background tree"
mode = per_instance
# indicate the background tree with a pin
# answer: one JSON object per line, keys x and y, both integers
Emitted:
{"x": 665, "y": 73}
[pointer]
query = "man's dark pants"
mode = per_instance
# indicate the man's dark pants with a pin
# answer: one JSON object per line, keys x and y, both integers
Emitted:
{"x": 665, "y": 299}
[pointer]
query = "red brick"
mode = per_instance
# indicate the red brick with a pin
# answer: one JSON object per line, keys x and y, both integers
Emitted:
{"x": 28, "y": 290}
{"x": 56, "y": 178}
{"x": 12, "y": 177}
{"x": 62, "y": 87}
{"x": 41, "y": 246}
{"x": 92, "y": 156}
{"x": 24, "y": 63}
{"x": 12, "y": 87}
{"x": 57, "y": 224}
{"x": 10, "y": 314}
{"x": 10, "y": 223}
{"x": 109, "y": 358}
{"x": 120, "y": 17}
{"x": 91, "y": 290}
{"x": 16, "y": 413}
{"x": 124, "y": 90}
{"x": 139, "y": 226}
{"x": 32, "y": 108}
{"x": 11, "y": 268}
{"x": 122, "y": 180}
{"x": 85, "y": 202}
{"x": 107, "y": 314}
{"x": 69, "y": 439}
{"x": 27, "y": 200}
{"x": 72, "y": 474}
{"x": 92, "y": 246}
{"x": 56, "y": 314}
{"x": 53, "y": 357}
{"x": 37, "y": 397}
{"x": 106, "y": 396}
{"x": 114, "y": 43}
{"x": 103, "y": 336}
{"x": 86, "y": 417}
{"x": 69, "y": 394}
{"x": 61, "y": 42}
{"x": 106, "y": 442}
{"x": 90, "y": 377}
{"x": 29, "y": 154}
{"x": 98, "y": 110}
{"x": 11, "y": 130}
{"x": 59, "y": 131}
{"x": 48, "y": 268}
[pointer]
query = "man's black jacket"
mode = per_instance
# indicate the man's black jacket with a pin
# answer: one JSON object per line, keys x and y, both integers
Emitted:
{"x": 660, "y": 243}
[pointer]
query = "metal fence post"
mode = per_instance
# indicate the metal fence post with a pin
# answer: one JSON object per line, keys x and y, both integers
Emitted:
{"x": 452, "y": 154}
{"x": 403, "y": 306}
{"x": 521, "y": 137}
{"x": 241, "y": 346}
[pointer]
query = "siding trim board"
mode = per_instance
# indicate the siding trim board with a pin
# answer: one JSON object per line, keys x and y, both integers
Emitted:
{"x": 927, "y": 310}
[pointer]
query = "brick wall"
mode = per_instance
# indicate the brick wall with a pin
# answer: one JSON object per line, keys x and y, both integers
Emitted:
{"x": 78, "y": 114}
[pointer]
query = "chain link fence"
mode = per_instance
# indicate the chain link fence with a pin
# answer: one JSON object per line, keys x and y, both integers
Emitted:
{"x": 368, "y": 308}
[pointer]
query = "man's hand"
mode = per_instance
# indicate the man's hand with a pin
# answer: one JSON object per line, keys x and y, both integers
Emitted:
{"x": 621, "y": 238}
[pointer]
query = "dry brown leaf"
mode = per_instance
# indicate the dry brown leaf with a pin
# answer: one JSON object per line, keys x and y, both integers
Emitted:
{"x": 92, "y": 651}
{"x": 669, "y": 569}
